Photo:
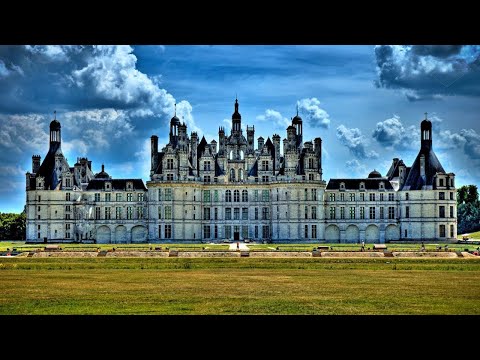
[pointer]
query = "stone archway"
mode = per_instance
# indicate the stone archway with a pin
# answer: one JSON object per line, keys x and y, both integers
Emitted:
{"x": 103, "y": 235}
{"x": 332, "y": 233}
{"x": 139, "y": 234}
{"x": 372, "y": 234}
{"x": 392, "y": 232}
{"x": 352, "y": 234}
{"x": 120, "y": 234}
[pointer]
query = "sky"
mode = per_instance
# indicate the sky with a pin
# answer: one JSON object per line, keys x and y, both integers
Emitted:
{"x": 365, "y": 102}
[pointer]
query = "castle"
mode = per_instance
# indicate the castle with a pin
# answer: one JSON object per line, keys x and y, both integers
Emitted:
{"x": 230, "y": 190}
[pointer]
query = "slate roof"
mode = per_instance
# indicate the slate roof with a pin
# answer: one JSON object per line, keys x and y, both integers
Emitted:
{"x": 432, "y": 166}
{"x": 117, "y": 184}
{"x": 354, "y": 184}
{"x": 47, "y": 169}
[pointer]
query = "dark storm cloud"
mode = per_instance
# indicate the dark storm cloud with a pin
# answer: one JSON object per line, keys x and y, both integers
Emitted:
{"x": 429, "y": 71}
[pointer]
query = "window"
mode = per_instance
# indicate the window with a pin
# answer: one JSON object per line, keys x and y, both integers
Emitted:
{"x": 228, "y": 196}
{"x": 406, "y": 233}
{"x": 362, "y": 212}
{"x": 228, "y": 214}
{"x": 207, "y": 179}
{"x": 215, "y": 213}
{"x": 314, "y": 194}
{"x": 451, "y": 211}
{"x": 67, "y": 196}
{"x": 407, "y": 211}
{"x": 39, "y": 198}
{"x": 256, "y": 231}
{"x": 332, "y": 197}
{"x": 362, "y": 197}
{"x": 441, "y": 195}
{"x": 332, "y": 212}
{"x": 264, "y": 165}
{"x": 169, "y": 177}
{"x": 382, "y": 216}
{"x": 244, "y": 196}
{"x": 362, "y": 186}
{"x": 67, "y": 226}
{"x": 306, "y": 212}
{"x": 215, "y": 195}
{"x": 255, "y": 195}
{"x": 206, "y": 166}
{"x": 342, "y": 212}
{"x": 306, "y": 231}
{"x": 38, "y": 217}
{"x": 206, "y": 214}
{"x": 391, "y": 212}
{"x": 266, "y": 231}
{"x": 311, "y": 177}
{"x": 97, "y": 213}
{"x": 256, "y": 213}
{"x": 381, "y": 186}
{"x": 342, "y": 197}
{"x": 119, "y": 196}
{"x": 228, "y": 231}
{"x": 140, "y": 212}
{"x": 168, "y": 194}
{"x": 39, "y": 208}
{"x": 352, "y": 212}
{"x": 140, "y": 196}
{"x": 314, "y": 212}
{"x": 108, "y": 213}
{"x": 451, "y": 195}
{"x": 38, "y": 235}
{"x": 168, "y": 212}
{"x": 67, "y": 208}
{"x": 206, "y": 231}
{"x": 391, "y": 197}
{"x": 244, "y": 231}
{"x": 442, "y": 230}
{"x": 381, "y": 197}
{"x": 169, "y": 164}
{"x": 129, "y": 185}
{"x": 168, "y": 231}
{"x": 406, "y": 196}
{"x": 236, "y": 196}
{"x": 129, "y": 197}
{"x": 452, "y": 231}
{"x": 306, "y": 194}
{"x": 129, "y": 213}
{"x": 215, "y": 232}
{"x": 97, "y": 196}
{"x": 441, "y": 184}
{"x": 118, "y": 212}
{"x": 264, "y": 178}
{"x": 352, "y": 197}
{"x": 236, "y": 213}
{"x": 311, "y": 163}
{"x": 206, "y": 195}
{"x": 372, "y": 197}
{"x": 38, "y": 227}
{"x": 441, "y": 211}
{"x": 265, "y": 195}
{"x": 265, "y": 214}
{"x": 108, "y": 197}
{"x": 67, "y": 216}
{"x": 244, "y": 213}
{"x": 372, "y": 213}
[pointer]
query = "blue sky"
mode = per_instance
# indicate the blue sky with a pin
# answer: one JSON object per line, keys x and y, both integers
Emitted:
{"x": 365, "y": 102}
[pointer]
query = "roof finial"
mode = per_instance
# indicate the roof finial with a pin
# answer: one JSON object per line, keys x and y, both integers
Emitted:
{"x": 55, "y": 113}
{"x": 297, "y": 109}
{"x": 426, "y": 116}
{"x": 175, "y": 109}
{"x": 103, "y": 167}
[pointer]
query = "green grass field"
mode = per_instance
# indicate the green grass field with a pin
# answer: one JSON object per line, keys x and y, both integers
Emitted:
{"x": 473, "y": 235}
{"x": 239, "y": 286}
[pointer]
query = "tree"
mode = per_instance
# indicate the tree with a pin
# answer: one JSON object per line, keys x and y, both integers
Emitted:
{"x": 467, "y": 194}
{"x": 12, "y": 226}
{"x": 468, "y": 209}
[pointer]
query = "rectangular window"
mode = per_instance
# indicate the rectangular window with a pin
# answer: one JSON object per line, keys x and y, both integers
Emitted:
{"x": 306, "y": 212}
{"x": 236, "y": 213}
{"x": 108, "y": 213}
{"x": 168, "y": 194}
{"x": 265, "y": 195}
{"x": 256, "y": 231}
{"x": 118, "y": 197}
{"x": 332, "y": 212}
{"x": 382, "y": 216}
{"x": 245, "y": 231}
{"x": 451, "y": 195}
{"x": 168, "y": 231}
{"x": 38, "y": 208}
{"x": 228, "y": 231}
{"x": 314, "y": 231}
{"x": 118, "y": 213}
{"x": 97, "y": 213}
{"x": 362, "y": 196}
{"x": 129, "y": 213}
{"x": 452, "y": 231}
{"x": 67, "y": 216}
{"x": 266, "y": 232}
{"x": 362, "y": 212}
{"x": 352, "y": 213}
{"x": 441, "y": 184}
{"x": 215, "y": 195}
{"x": 331, "y": 197}
{"x": 168, "y": 212}
{"x": 108, "y": 197}
{"x": 306, "y": 194}
{"x": 206, "y": 214}
{"x": 206, "y": 166}
{"x": 441, "y": 195}
{"x": 207, "y": 179}
{"x": 255, "y": 195}
{"x": 264, "y": 165}
{"x": 314, "y": 194}
{"x": 97, "y": 197}
{"x": 140, "y": 212}
{"x": 311, "y": 177}
{"x": 245, "y": 196}
{"x": 129, "y": 197}
{"x": 342, "y": 212}
{"x": 159, "y": 194}
{"x": 228, "y": 214}
{"x": 67, "y": 208}
{"x": 391, "y": 212}
{"x": 352, "y": 197}
{"x": 215, "y": 213}
{"x": 342, "y": 197}
{"x": 265, "y": 213}
{"x": 451, "y": 211}
{"x": 67, "y": 196}
{"x": 169, "y": 164}
{"x": 256, "y": 213}
{"x": 170, "y": 178}
{"x": 442, "y": 230}
{"x": 244, "y": 213}
{"x": 441, "y": 211}
{"x": 406, "y": 233}
{"x": 314, "y": 212}
{"x": 381, "y": 197}
{"x": 67, "y": 226}
{"x": 391, "y": 197}
{"x": 159, "y": 212}
{"x": 372, "y": 197}
{"x": 372, "y": 213}
{"x": 206, "y": 231}
{"x": 406, "y": 196}
{"x": 140, "y": 197}
{"x": 264, "y": 178}
{"x": 215, "y": 232}
{"x": 407, "y": 211}
{"x": 206, "y": 195}
{"x": 306, "y": 232}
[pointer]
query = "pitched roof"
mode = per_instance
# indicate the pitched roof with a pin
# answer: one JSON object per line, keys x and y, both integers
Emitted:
{"x": 117, "y": 184}
{"x": 47, "y": 169}
{"x": 414, "y": 180}
{"x": 354, "y": 184}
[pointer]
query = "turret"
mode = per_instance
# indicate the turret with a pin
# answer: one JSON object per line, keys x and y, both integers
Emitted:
{"x": 260, "y": 143}
{"x": 55, "y": 135}
{"x": 236, "y": 120}
{"x": 250, "y": 139}
{"x": 213, "y": 145}
{"x": 221, "y": 140}
{"x": 154, "y": 152}
{"x": 318, "y": 152}
{"x": 276, "y": 145}
{"x": 193, "y": 148}
{"x": 426, "y": 134}
{"x": 36, "y": 159}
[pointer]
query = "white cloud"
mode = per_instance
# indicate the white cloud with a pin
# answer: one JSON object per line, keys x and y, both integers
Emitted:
{"x": 3, "y": 70}
{"x": 355, "y": 141}
{"x": 273, "y": 116}
{"x": 356, "y": 168}
{"x": 392, "y": 134}
{"x": 315, "y": 115}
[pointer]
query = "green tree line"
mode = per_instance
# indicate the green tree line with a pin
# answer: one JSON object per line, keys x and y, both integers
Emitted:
{"x": 468, "y": 209}
{"x": 12, "y": 226}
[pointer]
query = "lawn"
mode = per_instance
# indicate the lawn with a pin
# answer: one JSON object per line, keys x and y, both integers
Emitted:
{"x": 473, "y": 235}
{"x": 239, "y": 286}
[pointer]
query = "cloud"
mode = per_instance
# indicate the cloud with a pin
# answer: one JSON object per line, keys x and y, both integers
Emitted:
{"x": 3, "y": 69}
{"x": 315, "y": 115}
{"x": 275, "y": 118}
{"x": 355, "y": 141}
{"x": 358, "y": 169}
{"x": 392, "y": 134}
{"x": 424, "y": 72}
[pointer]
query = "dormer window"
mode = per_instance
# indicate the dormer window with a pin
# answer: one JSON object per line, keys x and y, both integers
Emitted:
{"x": 381, "y": 186}
{"x": 108, "y": 185}
{"x": 129, "y": 185}
{"x": 342, "y": 186}
{"x": 440, "y": 182}
{"x": 362, "y": 186}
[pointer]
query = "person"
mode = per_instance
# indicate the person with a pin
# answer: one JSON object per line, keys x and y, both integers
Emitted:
{"x": 423, "y": 246}
{"x": 238, "y": 245}
{"x": 363, "y": 245}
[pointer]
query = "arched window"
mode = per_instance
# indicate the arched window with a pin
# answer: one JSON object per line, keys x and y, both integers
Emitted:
{"x": 228, "y": 196}
{"x": 241, "y": 155}
{"x": 240, "y": 174}
{"x": 244, "y": 196}
{"x": 231, "y": 154}
{"x": 236, "y": 196}
{"x": 232, "y": 174}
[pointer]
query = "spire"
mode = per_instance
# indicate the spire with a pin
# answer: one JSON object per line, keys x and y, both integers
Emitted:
{"x": 103, "y": 167}
{"x": 426, "y": 116}
{"x": 175, "y": 109}
{"x": 297, "y": 109}
{"x": 55, "y": 114}
{"x": 236, "y": 104}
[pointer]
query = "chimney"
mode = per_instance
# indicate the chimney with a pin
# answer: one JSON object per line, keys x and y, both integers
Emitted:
{"x": 36, "y": 163}
{"x": 154, "y": 152}
{"x": 260, "y": 143}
